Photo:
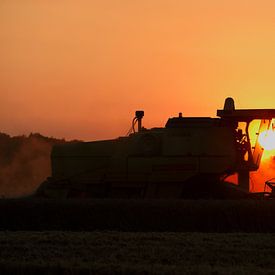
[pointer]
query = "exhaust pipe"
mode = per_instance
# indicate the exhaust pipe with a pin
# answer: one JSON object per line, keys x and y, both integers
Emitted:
{"x": 139, "y": 116}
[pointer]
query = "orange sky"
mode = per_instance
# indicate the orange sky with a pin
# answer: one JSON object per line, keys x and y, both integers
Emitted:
{"x": 79, "y": 69}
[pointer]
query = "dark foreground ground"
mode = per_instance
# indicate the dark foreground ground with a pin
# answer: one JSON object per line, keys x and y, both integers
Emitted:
{"x": 53, "y": 252}
{"x": 39, "y": 236}
{"x": 255, "y": 216}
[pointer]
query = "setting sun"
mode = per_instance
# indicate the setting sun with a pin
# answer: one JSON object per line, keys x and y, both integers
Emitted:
{"x": 267, "y": 139}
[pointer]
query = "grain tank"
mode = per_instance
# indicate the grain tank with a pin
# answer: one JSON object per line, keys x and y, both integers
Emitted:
{"x": 190, "y": 157}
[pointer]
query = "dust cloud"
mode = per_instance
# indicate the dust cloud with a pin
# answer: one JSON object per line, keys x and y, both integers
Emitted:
{"x": 24, "y": 163}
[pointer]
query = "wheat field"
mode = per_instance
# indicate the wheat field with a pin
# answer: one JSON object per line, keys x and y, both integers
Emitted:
{"x": 55, "y": 252}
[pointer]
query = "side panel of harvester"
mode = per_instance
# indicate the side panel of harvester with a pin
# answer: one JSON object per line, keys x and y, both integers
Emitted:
{"x": 81, "y": 159}
{"x": 153, "y": 163}
{"x": 213, "y": 147}
{"x": 187, "y": 154}
{"x": 78, "y": 169}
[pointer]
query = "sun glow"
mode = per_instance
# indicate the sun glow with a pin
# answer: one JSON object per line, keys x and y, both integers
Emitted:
{"x": 267, "y": 139}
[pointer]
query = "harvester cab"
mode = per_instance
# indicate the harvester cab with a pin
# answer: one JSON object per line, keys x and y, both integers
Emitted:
{"x": 249, "y": 156}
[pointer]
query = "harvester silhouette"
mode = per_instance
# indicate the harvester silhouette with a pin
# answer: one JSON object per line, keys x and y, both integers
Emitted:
{"x": 191, "y": 157}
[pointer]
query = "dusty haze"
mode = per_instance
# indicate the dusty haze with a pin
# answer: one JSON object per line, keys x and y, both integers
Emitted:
{"x": 24, "y": 163}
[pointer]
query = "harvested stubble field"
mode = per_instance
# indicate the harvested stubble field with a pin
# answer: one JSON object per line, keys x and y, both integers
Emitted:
{"x": 53, "y": 252}
{"x": 138, "y": 215}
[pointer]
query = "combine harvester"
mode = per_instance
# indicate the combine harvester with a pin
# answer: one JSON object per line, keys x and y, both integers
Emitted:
{"x": 191, "y": 157}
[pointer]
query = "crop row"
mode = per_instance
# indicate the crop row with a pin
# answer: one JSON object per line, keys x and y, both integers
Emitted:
{"x": 76, "y": 253}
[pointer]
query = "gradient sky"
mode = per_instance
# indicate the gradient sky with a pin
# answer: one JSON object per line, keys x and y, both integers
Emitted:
{"x": 79, "y": 69}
